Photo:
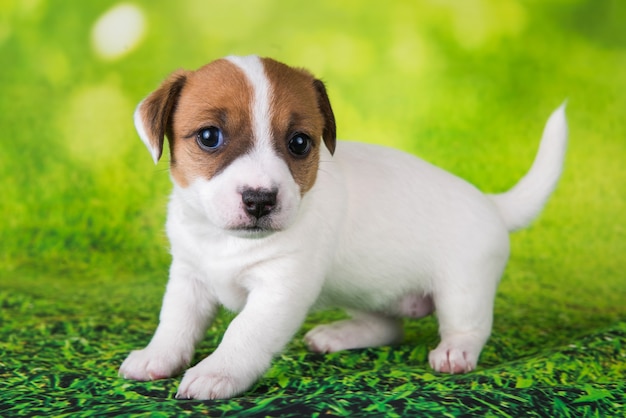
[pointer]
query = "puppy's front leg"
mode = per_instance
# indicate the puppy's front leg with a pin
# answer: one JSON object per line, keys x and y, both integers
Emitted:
{"x": 188, "y": 307}
{"x": 266, "y": 324}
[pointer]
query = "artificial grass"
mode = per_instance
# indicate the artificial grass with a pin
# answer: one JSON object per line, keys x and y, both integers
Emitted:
{"x": 466, "y": 85}
{"x": 62, "y": 360}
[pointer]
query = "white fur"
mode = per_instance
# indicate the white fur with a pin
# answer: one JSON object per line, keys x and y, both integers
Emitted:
{"x": 520, "y": 205}
{"x": 218, "y": 202}
{"x": 261, "y": 111}
{"x": 381, "y": 233}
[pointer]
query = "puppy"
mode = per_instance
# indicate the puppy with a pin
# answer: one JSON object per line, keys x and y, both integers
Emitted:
{"x": 270, "y": 217}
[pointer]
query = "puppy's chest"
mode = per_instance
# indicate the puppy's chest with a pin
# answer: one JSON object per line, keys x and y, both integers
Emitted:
{"x": 224, "y": 265}
{"x": 224, "y": 274}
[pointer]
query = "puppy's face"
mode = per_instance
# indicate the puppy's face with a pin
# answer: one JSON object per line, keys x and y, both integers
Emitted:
{"x": 245, "y": 136}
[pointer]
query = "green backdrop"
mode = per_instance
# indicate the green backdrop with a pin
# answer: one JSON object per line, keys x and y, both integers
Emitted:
{"x": 465, "y": 84}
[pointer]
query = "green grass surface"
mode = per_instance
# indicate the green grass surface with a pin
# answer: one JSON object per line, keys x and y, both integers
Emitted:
{"x": 466, "y": 85}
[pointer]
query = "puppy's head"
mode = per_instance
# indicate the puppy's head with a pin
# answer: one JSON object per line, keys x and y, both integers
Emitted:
{"x": 245, "y": 136}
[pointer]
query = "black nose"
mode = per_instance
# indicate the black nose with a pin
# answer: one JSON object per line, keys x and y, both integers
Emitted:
{"x": 259, "y": 202}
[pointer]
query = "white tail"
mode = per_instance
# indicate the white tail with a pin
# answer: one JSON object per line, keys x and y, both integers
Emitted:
{"x": 521, "y": 204}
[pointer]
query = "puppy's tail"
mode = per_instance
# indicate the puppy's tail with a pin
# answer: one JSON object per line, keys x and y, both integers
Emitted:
{"x": 521, "y": 204}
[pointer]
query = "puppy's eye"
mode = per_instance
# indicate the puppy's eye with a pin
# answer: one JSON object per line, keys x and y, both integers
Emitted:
{"x": 210, "y": 139}
{"x": 299, "y": 145}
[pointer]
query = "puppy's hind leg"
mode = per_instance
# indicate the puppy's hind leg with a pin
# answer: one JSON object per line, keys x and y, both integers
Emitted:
{"x": 362, "y": 331}
{"x": 465, "y": 316}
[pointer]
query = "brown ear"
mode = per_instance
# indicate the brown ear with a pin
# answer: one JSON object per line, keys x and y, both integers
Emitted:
{"x": 330, "y": 129}
{"x": 153, "y": 115}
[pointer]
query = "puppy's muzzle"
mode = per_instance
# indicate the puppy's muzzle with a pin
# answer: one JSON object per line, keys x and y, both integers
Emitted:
{"x": 259, "y": 202}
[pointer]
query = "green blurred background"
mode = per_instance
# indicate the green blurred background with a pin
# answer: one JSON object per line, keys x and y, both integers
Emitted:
{"x": 466, "y": 84}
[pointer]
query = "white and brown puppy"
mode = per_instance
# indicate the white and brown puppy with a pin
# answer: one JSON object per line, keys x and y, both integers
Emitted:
{"x": 268, "y": 220}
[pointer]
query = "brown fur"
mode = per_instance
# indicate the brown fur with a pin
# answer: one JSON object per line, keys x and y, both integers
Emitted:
{"x": 219, "y": 95}
{"x": 299, "y": 106}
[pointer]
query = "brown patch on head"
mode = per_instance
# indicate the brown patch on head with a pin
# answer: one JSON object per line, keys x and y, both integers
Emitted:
{"x": 219, "y": 96}
{"x": 299, "y": 105}
{"x": 216, "y": 95}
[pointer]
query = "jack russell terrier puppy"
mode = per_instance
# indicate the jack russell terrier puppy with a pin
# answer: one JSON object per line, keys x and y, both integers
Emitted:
{"x": 270, "y": 217}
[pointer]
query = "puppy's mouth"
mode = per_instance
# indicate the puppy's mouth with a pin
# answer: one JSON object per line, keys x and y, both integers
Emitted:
{"x": 256, "y": 227}
{"x": 263, "y": 225}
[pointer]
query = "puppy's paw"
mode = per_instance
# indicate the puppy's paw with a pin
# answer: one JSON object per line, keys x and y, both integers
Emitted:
{"x": 453, "y": 359}
{"x": 205, "y": 381}
{"x": 327, "y": 339}
{"x": 151, "y": 364}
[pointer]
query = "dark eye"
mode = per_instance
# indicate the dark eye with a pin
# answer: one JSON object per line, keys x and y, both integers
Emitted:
{"x": 209, "y": 139}
{"x": 299, "y": 145}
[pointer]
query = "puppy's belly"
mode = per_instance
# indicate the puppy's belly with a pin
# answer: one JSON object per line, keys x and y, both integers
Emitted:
{"x": 398, "y": 296}
{"x": 412, "y": 306}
